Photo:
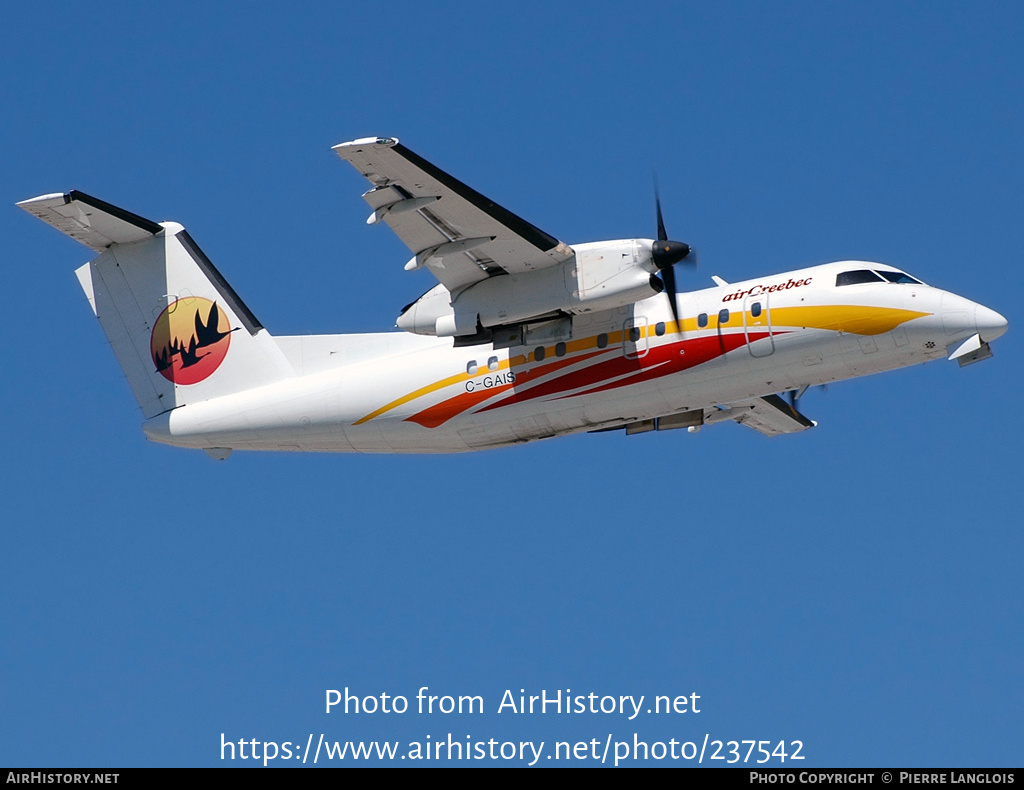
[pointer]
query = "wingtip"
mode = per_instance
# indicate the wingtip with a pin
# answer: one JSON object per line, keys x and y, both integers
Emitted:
{"x": 53, "y": 197}
{"x": 386, "y": 141}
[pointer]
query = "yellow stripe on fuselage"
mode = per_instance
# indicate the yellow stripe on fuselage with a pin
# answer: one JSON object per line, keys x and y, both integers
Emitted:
{"x": 857, "y": 319}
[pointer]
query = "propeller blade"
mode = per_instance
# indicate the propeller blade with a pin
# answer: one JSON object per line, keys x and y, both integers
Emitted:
{"x": 669, "y": 277}
{"x": 666, "y": 254}
{"x": 794, "y": 396}
{"x": 662, "y": 234}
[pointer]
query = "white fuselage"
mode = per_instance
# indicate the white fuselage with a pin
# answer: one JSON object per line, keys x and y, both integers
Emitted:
{"x": 407, "y": 393}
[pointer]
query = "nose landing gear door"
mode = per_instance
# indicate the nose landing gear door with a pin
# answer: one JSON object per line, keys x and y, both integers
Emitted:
{"x": 757, "y": 326}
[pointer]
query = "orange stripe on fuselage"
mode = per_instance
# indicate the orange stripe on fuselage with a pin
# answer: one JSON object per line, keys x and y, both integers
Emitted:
{"x": 440, "y": 413}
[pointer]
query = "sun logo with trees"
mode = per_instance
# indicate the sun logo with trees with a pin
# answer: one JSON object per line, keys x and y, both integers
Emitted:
{"x": 190, "y": 340}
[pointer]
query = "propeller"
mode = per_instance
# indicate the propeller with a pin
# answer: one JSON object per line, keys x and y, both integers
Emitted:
{"x": 794, "y": 395}
{"x": 666, "y": 254}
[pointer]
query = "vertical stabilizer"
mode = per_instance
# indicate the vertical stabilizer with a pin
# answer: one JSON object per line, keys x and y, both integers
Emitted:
{"x": 178, "y": 329}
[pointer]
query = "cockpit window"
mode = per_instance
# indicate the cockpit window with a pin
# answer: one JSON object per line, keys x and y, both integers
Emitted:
{"x": 858, "y": 277}
{"x": 899, "y": 277}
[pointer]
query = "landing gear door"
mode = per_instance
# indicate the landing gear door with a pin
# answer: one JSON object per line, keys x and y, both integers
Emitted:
{"x": 757, "y": 326}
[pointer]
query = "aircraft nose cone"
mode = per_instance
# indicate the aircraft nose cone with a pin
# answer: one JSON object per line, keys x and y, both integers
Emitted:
{"x": 989, "y": 323}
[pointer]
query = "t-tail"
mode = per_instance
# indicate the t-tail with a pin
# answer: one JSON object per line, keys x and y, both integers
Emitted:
{"x": 178, "y": 329}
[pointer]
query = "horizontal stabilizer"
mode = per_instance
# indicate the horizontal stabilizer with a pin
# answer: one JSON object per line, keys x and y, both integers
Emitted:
{"x": 94, "y": 223}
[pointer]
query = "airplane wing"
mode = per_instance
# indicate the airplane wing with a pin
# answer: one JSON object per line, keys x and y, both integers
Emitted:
{"x": 770, "y": 415}
{"x": 461, "y": 236}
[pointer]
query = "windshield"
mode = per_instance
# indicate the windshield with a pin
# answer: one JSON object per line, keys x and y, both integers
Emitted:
{"x": 858, "y": 277}
{"x": 861, "y": 276}
{"x": 899, "y": 277}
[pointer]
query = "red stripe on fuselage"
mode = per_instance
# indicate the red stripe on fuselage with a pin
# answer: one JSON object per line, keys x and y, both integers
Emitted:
{"x": 663, "y": 360}
{"x": 677, "y": 357}
{"x": 659, "y": 361}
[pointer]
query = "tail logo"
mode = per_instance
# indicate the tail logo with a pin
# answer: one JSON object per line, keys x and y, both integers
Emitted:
{"x": 190, "y": 340}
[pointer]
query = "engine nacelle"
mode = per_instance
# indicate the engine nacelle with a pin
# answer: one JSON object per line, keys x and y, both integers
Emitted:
{"x": 601, "y": 276}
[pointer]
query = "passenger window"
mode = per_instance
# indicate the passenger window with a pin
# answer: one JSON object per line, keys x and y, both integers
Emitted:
{"x": 560, "y": 349}
{"x": 755, "y": 309}
{"x": 659, "y": 328}
{"x": 634, "y": 333}
{"x": 602, "y": 340}
{"x": 723, "y": 316}
{"x": 471, "y": 368}
{"x": 492, "y": 363}
{"x": 702, "y": 320}
{"x": 858, "y": 278}
{"x": 538, "y": 354}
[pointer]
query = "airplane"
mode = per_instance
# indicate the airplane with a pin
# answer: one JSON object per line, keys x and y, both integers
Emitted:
{"x": 524, "y": 337}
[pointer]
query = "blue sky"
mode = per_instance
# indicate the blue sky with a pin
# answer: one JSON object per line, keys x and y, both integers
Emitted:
{"x": 855, "y": 587}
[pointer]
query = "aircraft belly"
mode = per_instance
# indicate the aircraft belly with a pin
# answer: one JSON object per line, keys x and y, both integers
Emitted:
{"x": 522, "y": 423}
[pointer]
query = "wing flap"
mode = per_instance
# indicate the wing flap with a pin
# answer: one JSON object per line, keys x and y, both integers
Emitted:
{"x": 428, "y": 208}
